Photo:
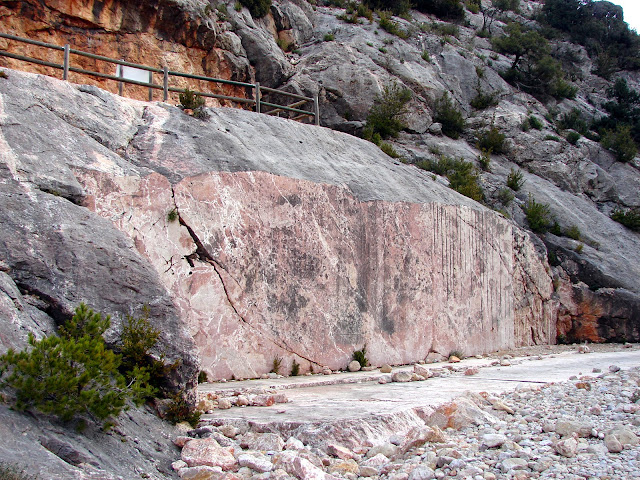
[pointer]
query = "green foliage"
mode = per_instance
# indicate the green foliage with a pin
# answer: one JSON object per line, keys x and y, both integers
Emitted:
{"x": 385, "y": 116}
{"x": 532, "y": 69}
{"x": 396, "y": 7}
{"x": 202, "y": 377}
{"x": 623, "y": 108}
{"x": 71, "y": 375}
{"x": 390, "y": 26}
{"x": 492, "y": 140}
{"x": 506, "y": 5}
{"x": 462, "y": 175}
{"x": 180, "y": 410}
{"x": 138, "y": 338}
{"x": 445, "y": 112}
{"x": 295, "y": 368}
{"x": 258, "y": 8}
{"x": 552, "y": 138}
{"x": 515, "y": 180}
{"x": 284, "y": 45}
{"x": 444, "y": 9}
{"x": 389, "y": 150}
{"x": 483, "y": 100}
{"x": 538, "y": 215}
{"x": 276, "y": 364}
{"x": 445, "y": 29}
{"x": 172, "y": 216}
{"x": 425, "y": 56}
{"x": 505, "y": 197}
{"x": 579, "y": 248}
{"x": 573, "y": 232}
{"x": 190, "y": 101}
{"x": 328, "y": 37}
{"x": 573, "y": 120}
{"x": 620, "y": 142}
{"x": 473, "y": 5}
{"x": 629, "y": 218}
{"x": 237, "y": 6}
{"x": 13, "y": 472}
{"x": 360, "y": 356}
{"x": 485, "y": 160}
{"x": 600, "y": 27}
{"x": 573, "y": 137}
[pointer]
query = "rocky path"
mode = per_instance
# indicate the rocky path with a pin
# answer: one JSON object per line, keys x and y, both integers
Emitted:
{"x": 562, "y": 416}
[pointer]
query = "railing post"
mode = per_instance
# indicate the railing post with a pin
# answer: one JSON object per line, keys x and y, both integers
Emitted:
{"x": 120, "y": 74}
{"x": 165, "y": 84}
{"x": 258, "y": 99}
{"x": 316, "y": 109}
{"x": 65, "y": 71}
{"x": 150, "y": 88}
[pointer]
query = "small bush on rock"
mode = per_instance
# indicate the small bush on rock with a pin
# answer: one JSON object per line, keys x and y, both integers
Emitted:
{"x": 492, "y": 140}
{"x": 629, "y": 218}
{"x": 258, "y": 8}
{"x": 462, "y": 175}
{"x": 295, "y": 368}
{"x": 385, "y": 116}
{"x": 449, "y": 116}
{"x": 538, "y": 215}
{"x": 573, "y": 137}
{"x": 72, "y": 375}
{"x": 620, "y": 142}
{"x": 515, "y": 180}
{"x": 360, "y": 356}
{"x": 180, "y": 410}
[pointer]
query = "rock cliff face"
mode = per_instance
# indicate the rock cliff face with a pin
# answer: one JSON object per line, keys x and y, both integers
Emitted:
{"x": 290, "y": 240}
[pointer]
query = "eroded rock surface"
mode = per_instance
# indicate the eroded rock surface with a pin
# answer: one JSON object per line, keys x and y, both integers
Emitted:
{"x": 305, "y": 249}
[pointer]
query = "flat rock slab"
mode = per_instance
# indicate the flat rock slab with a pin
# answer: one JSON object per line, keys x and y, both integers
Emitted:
{"x": 338, "y": 402}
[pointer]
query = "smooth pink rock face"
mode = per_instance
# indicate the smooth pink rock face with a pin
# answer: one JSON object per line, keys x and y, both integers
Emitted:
{"x": 263, "y": 265}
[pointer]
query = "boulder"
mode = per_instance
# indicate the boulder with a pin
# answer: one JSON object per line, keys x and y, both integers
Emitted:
{"x": 207, "y": 452}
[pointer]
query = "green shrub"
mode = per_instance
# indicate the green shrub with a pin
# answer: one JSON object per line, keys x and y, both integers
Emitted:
{"x": 535, "y": 122}
{"x": 630, "y": 218}
{"x": 573, "y": 137}
{"x": 360, "y": 356}
{"x": 425, "y": 56}
{"x": 483, "y": 100}
{"x": 202, "y": 377}
{"x": 276, "y": 364}
{"x": 258, "y": 8}
{"x": 398, "y": 7}
{"x": 445, "y": 29}
{"x": 180, "y": 410}
{"x": 385, "y": 116}
{"x": 390, "y": 26}
{"x": 172, "y": 216}
{"x": 538, "y": 215}
{"x": 492, "y": 140}
{"x": 190, "y": 101}
{"x": 553, "y": 138}
{"x": 295, "y": 368}
{"x": 237, "y": 6}
{"x": 484, "y": 160}
{"x": 389, "y": 150}
{"x": 462, "y": 175}
{"x": 620, "y": 142}
{"x": 71, "y": 375}
{"x": 328, "y": 37}
{"x": 573, "y": 232}
{"x": 573, "y": 120}
{"x": 449, "y": 116}
{"x": 515, "y": 180}
{"x": 505, "y": 197}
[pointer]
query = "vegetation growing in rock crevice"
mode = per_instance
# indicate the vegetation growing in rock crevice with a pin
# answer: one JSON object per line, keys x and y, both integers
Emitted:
{"x": 73, "y": 375}
{"x": 445, "y": 112}
{"x": 385, "y": 116}
{"x": 629, "y": 218}
{"x": 258, "y": 8}
{"x": 538, "y": 215}
{"x": 462, "y": 175}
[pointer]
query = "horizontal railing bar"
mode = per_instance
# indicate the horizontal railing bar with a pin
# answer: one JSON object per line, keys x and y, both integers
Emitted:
{"x": 280, "y": 107}
{"x": 300, "y": 117}
{"x": 215, "y": 95}
{"x": 210, "y": 79}
{"x": 32, "y": 42}
{"x": 113, "y": 60}
{"x": 293, "y": 105}
{"x": 281, "y": 92}
{"x": 32, "y": 60}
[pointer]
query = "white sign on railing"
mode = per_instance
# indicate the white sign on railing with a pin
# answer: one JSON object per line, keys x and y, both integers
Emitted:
{"x": 130, "y": 73}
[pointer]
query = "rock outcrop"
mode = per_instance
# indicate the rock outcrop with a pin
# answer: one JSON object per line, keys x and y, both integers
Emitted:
{"x": 288, "y": 240}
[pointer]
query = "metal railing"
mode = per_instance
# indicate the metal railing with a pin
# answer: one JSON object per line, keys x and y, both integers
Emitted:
{"x": 259, "y": 92}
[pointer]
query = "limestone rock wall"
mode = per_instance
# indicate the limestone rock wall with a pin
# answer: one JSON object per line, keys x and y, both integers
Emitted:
{"x": 290, "y": 240}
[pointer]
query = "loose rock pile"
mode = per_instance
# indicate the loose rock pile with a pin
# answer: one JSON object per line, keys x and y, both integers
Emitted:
{"x": 586, "y": 428}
